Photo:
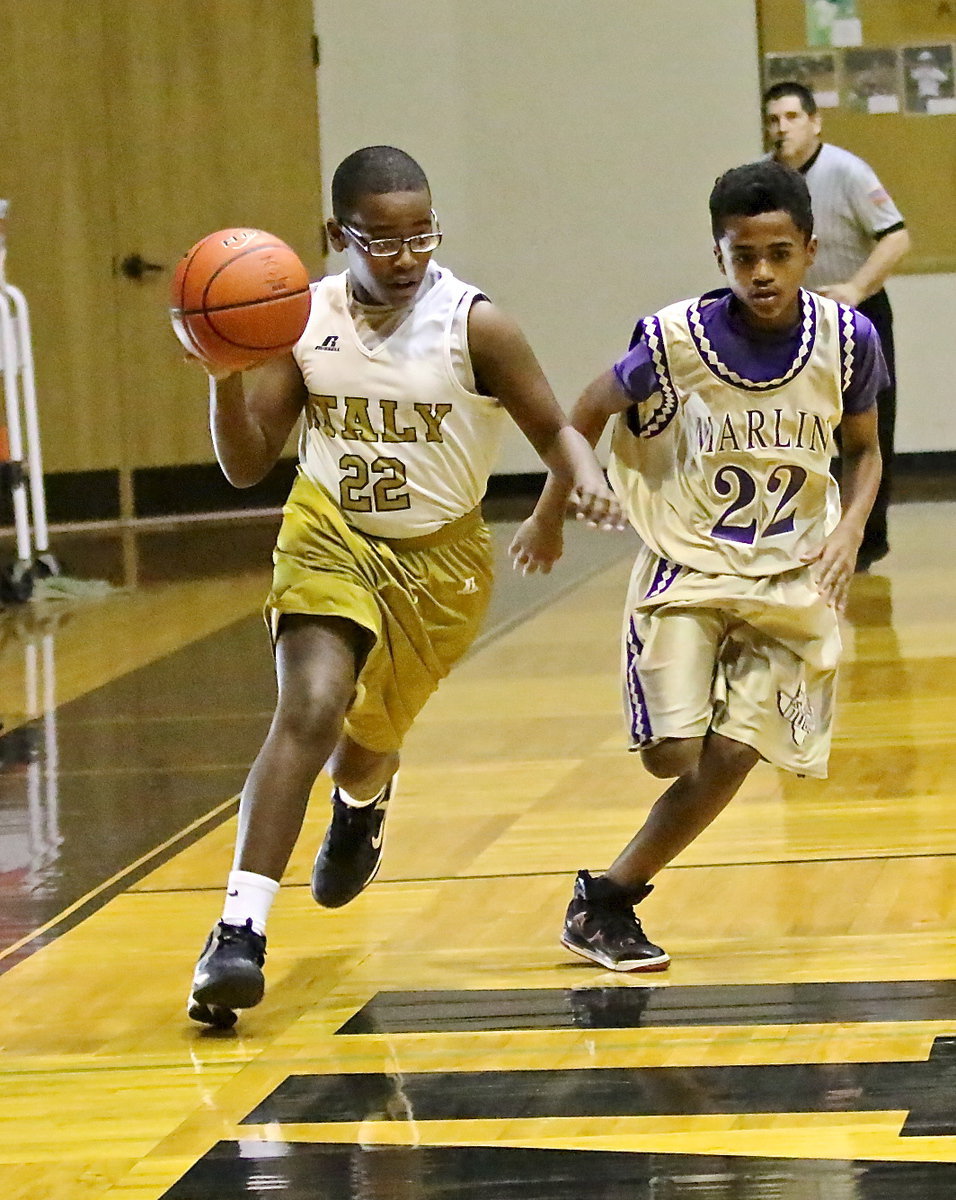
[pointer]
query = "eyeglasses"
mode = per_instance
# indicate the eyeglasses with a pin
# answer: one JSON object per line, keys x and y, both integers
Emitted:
{"x": 418, "y": 243}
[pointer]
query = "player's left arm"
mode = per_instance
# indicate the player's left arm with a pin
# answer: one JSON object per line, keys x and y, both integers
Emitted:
{"x": 506, "y": 367}
{"x": 862, "y": 467}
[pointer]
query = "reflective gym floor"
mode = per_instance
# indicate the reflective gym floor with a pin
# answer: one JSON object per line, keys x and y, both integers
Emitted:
{"x": 433, "y": 1039}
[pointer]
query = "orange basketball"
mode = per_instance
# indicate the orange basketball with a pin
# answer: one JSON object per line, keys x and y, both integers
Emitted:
{"x": 239, "y": 297}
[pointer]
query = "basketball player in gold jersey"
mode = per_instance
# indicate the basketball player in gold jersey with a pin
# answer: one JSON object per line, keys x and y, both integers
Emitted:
{"x": 724, "y": 411}
{"x": 404, "y": 379}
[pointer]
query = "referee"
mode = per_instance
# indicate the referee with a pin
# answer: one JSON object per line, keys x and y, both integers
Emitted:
{"x": 861, "y": 237}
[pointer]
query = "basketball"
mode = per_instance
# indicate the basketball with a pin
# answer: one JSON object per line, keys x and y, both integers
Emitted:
{"x": 239, "y": 297}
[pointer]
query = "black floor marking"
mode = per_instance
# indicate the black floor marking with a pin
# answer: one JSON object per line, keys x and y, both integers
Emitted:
{"x": 926, "y": 1090}
{"x": 637, "y": 1006}
{"x": 318, "y": 1171}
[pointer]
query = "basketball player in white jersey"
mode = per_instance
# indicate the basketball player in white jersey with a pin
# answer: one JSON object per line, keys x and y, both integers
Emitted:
{"x": 724, "y": 412}
{"x": 404, "y": 379}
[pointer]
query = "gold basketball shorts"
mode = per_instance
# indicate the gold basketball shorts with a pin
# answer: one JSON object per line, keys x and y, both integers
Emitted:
{"x": 422, "y": 600}
{"x": 754, "y": 659}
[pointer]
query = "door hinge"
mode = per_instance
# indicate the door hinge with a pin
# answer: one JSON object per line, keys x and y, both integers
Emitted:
{"x": 316, "y": 51}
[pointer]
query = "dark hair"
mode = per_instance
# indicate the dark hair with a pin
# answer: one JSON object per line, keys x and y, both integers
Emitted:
{"x": 373, "y": 170}
{"x": 759, "y": 187}
{"x": 790, "y": 87}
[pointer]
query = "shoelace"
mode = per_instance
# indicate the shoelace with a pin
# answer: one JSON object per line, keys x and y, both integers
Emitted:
{"x": 232, "y": 935}
{"x": 621, "y": 922}
{"x": 367, "y": 818}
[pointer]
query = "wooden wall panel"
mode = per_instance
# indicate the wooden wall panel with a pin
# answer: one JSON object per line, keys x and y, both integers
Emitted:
{"x": 213, "y": 122}
{"x": 138, "y": 126}
{"x": 55, "y": 170}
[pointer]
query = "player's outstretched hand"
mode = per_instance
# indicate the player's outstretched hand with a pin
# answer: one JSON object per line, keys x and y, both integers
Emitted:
{"x": 597, "y": 505}
{"x": 536, "y": 546}
{"x": 834, "y": 564}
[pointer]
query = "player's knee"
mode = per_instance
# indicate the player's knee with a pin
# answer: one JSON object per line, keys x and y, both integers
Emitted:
{"x": 672, "y": 757}
{"x": 731, "y": 758}
{"x": 309, "y": 715}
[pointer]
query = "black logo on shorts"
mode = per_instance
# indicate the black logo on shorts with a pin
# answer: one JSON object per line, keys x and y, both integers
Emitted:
{"x": 796, "y": 709}
{"x": 330, "y": 343}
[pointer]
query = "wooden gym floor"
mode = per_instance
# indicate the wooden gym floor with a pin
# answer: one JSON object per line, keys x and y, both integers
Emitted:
{"x": 433, "y": 1039}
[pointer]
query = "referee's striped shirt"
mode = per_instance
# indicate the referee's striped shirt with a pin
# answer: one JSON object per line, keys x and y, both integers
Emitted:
{"x": 851, "y": 211}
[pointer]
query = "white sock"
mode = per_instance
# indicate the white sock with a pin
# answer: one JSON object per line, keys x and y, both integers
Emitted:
{"x": 249, "y": 896}
{"x": 350, "y": 800}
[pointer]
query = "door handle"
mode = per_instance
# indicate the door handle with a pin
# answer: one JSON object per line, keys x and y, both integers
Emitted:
{"x": 134, "y": 266}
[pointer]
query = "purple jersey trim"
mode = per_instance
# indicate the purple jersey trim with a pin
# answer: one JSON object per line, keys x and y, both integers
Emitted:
{"x": 639, "y": 717}
{"x": 864, "y": 372}
{"x": 707, "y": 336}
{"x": 643, "y": 371}
{"x": 751, "y": 361}
{"x": 664, "y": 576}
{"x": 664, "y": 414}
{"x": 637, "y": 335}
{"x": 847, "y": 347}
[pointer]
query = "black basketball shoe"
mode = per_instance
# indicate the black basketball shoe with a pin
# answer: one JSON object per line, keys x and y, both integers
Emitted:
{"x": 600, "y": 925}
{"x": 351, "y": 852}
{"x": 228, "y": 975}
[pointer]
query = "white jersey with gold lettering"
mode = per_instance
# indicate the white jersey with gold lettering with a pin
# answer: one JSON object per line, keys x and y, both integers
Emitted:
{"x": 391, "y": 432}
{"x": 727, "y": 473}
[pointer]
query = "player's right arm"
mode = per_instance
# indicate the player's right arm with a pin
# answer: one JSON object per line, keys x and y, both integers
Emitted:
{"x": 834, "y": 563}
{"x": 538, "y": 543}
{"x": 835, "y": 560}
{"x": 251, "y": 414}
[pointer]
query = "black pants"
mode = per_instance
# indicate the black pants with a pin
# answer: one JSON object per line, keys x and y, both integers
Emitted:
{"x": 877, "y": 308}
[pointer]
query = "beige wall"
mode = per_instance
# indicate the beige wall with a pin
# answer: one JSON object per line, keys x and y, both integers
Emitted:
{"x": 571, "y": 146}
{"x": 924, "y": 312}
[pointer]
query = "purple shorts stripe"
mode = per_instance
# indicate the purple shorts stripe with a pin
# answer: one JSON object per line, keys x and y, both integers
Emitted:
{"x": 639, "y": 718}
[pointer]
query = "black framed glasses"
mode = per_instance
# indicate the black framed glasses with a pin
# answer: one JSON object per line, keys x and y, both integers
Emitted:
{"x": 418, "y": 243}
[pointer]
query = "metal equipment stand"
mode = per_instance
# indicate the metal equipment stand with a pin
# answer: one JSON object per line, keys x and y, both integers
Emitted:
{"x": 23, "y": 481}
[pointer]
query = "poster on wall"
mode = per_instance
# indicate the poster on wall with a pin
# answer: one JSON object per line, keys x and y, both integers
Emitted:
{"x": 928, "y": 80}
{"x": 818, "y": 72}
{"x": 833, "y": 23}
{"x": 871, "y": 80}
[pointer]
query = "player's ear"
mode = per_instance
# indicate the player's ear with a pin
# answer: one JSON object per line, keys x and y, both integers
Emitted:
{"x": 336, "y": 236}
{"x": 811, "y": 250}
{"x": 720, "y": 259}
